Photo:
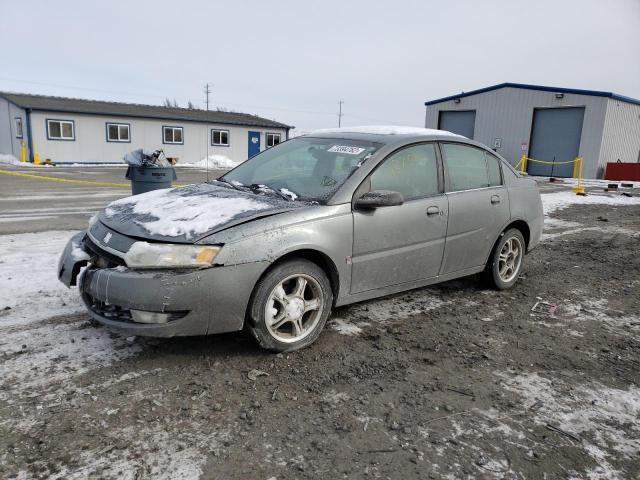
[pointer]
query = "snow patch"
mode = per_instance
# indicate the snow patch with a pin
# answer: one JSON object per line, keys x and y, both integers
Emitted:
{"x": 28, "y": 279}
{"x": 593, "y": 412}
{"x": 289, "y": 193}
{"x": 10, "y": 160}
{"x": 345, "y": 328}
{"x": 608, "y": 230}
{"x": 158, "y": 454}
{"x": 394, "y": 308}
{"x": 54, "y": 354}
{"x": 190, "y": 215}
{"x": 559, "y": 200}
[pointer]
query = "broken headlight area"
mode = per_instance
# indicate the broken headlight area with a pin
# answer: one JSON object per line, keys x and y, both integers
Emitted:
{"x": 100, "y": 258}
{"x": 120, "y": 314}
{"x": 144, "y": 255}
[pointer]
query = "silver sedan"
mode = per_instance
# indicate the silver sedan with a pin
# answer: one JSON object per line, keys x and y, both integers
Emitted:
{"x": 322, "y": 220}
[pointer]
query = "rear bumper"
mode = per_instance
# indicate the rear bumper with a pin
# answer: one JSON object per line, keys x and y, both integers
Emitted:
{"x": 199, "y": 302}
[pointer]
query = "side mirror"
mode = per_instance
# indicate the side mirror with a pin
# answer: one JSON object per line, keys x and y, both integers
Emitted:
{"x": 379, "y": 198}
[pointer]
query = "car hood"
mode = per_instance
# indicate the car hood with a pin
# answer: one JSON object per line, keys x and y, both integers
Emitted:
{"x": 190, "y": 213}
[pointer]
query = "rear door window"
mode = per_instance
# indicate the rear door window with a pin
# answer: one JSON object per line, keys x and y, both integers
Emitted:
{"x": 412, "y": 171}
{"x": 493, "y": 169}
{"x": 466, "y": 167}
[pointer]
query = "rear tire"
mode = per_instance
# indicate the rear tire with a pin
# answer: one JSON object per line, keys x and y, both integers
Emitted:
{"x": 289, "y": 306}
{"x": 506, "y": 260}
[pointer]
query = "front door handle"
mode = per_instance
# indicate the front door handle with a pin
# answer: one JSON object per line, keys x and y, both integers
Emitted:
{"x": 495, "y": 199}
{"x": 433, "y": 211}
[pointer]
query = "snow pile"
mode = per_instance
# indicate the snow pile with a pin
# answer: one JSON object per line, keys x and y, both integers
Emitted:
{"x": 387, "y": 130}
{"x": 9, "y": 159}
{"x": 559, "y": 200}
{"x": 216, "y": 162}
{"x": 174, "y": 213}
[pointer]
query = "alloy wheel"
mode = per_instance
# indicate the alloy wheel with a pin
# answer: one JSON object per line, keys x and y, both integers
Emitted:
{"x": 294, "y": 307}
{"x": 510, "y": 259}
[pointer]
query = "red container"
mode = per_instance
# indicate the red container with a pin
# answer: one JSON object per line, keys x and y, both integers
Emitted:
{"x": 622, "y": 171}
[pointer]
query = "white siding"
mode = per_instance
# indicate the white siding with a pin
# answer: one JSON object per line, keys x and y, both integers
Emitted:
{"x": 507, "y": 113}
{"x": 91, "y": 146}
{"x": 621, "y": 137}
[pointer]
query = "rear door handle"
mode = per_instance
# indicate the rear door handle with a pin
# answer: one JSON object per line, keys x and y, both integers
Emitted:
{"x": 433, "y": 211}
{"x": 495, "y": 199}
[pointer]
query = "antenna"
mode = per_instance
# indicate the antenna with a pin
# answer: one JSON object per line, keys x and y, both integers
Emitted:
{"x": 340, "y": 114}
{"x": 207, "y": 91}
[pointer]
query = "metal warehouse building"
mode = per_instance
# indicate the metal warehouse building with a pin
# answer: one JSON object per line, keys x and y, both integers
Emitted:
{"x": 69, "y": 130}
{"x": 545, "y": 123}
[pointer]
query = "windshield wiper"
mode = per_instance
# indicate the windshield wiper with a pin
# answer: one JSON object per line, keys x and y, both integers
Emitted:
{"x": 262, "y": 187}
{"x": 237, "y": 187}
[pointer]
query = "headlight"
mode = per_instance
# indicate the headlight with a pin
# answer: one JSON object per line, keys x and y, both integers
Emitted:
{"x": 166, "y": 255}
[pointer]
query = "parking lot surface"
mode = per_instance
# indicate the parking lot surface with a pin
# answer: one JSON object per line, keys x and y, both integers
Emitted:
{"x": 29, "y": 204}
{"x": 449, "y": 381}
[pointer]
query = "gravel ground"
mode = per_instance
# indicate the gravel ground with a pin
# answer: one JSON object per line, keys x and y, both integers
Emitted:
{"x": 450, "y": 381}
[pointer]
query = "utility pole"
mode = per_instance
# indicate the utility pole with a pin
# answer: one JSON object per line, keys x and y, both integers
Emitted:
{"x": 207, "y": 91}
{"x": 340, "y": 113}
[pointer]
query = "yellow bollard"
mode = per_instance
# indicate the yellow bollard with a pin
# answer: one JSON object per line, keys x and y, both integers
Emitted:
{"x": 23, "y": 151}
{"x": 36, "y": 159}
{"x": 577, "y": 173}
{"x": 523, "y": 164}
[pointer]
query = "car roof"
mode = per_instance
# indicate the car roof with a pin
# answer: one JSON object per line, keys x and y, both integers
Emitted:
{"x": 386, "y": 134}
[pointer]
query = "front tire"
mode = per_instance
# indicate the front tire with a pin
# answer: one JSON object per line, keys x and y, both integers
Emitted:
{"x": 505, "y": 262}
{"x": 290, "y": 306}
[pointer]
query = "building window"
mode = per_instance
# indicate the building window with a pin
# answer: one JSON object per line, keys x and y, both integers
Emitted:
{"x": 60, "y": 130}
{"x": 118, "y": 132}
{"x": 19, "y": 133}
{"x": 172, "y": 135}
{"x": 220, "y": 138}
{"x": 273, "y": 139}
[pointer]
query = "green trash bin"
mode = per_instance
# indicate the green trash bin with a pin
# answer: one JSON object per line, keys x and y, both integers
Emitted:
{"x": 146, "y": 179}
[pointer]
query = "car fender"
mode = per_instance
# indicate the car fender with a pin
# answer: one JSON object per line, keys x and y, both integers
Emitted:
{"x": 330, "y": 235}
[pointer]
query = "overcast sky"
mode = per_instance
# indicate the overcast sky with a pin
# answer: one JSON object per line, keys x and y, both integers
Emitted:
{"x": 294, "y": 60}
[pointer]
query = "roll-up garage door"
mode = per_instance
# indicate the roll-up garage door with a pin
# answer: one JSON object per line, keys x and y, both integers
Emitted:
{"x": 555, "y": 137}
{"x": 460, "y": 122}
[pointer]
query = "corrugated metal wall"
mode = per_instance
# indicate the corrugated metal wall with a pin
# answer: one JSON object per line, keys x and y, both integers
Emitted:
{"x": 507, "y": 114}
{"x": 621, "y": 137}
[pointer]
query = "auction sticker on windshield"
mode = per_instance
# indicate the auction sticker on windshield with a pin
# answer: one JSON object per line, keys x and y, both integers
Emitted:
{"x": 346, "y": 149}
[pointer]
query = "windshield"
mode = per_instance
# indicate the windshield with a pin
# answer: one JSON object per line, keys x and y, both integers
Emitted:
{"x": 306, "y": 168}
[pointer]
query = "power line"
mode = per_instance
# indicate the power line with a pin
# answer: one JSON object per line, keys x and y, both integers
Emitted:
{"x": 185, "y": 99}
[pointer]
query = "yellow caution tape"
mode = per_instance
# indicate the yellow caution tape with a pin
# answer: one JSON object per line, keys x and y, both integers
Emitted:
{"x": 64, "y": 180}
{"x": 550, "y": 163}
{"x": 70, "y": 180}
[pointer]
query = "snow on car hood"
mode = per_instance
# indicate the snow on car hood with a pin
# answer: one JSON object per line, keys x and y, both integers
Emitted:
{"x": 188, "y": 213}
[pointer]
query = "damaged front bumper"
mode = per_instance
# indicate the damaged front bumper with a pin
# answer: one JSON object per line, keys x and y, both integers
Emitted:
{"x": 159, "y": 303}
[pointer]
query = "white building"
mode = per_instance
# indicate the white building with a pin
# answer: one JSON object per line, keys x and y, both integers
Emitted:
{"x": 69, "y": 130}
{"x": 545, "y": 123}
